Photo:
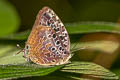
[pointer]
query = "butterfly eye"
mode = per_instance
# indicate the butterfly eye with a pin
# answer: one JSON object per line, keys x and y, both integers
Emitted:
{"x": 27, "y": 47}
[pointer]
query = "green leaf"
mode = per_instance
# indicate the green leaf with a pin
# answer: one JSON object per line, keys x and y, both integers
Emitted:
{"x": 90, "y": 27}
{"x": 25, "y": 70}
{"x": 9, "y": 20}
{"x": 15, "y": 67}
{"x": 7, "y": 55}
{"x": 89, "y": 68}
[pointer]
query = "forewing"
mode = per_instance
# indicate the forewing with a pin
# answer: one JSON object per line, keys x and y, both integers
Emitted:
{"x": 47, "y": 17}
{"x": 49, "y": 41}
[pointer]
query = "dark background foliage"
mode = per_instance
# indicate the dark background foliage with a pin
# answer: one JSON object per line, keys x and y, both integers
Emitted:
{"x": 69, "y": 10}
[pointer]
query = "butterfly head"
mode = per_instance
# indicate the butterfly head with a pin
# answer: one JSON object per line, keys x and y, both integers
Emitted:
{"x": 25, "y": 50}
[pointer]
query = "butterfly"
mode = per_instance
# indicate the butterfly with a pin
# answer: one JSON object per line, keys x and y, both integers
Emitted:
{"x": 48, "y": 42}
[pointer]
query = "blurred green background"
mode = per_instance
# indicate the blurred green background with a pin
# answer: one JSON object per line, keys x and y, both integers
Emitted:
{"x": 69, "y": 10}
{"x": 93, "y": 23}
{"x": 23, "y": 13}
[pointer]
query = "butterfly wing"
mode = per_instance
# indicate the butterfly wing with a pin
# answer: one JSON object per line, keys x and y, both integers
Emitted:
{"x": 49, "y": 41}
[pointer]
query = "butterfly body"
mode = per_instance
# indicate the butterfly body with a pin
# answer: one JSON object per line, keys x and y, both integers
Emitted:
{"x": 48, "y": 42}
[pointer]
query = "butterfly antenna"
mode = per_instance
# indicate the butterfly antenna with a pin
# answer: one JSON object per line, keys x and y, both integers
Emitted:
{"x": 22, "y": 50}
{"x": 18, "y": 46}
